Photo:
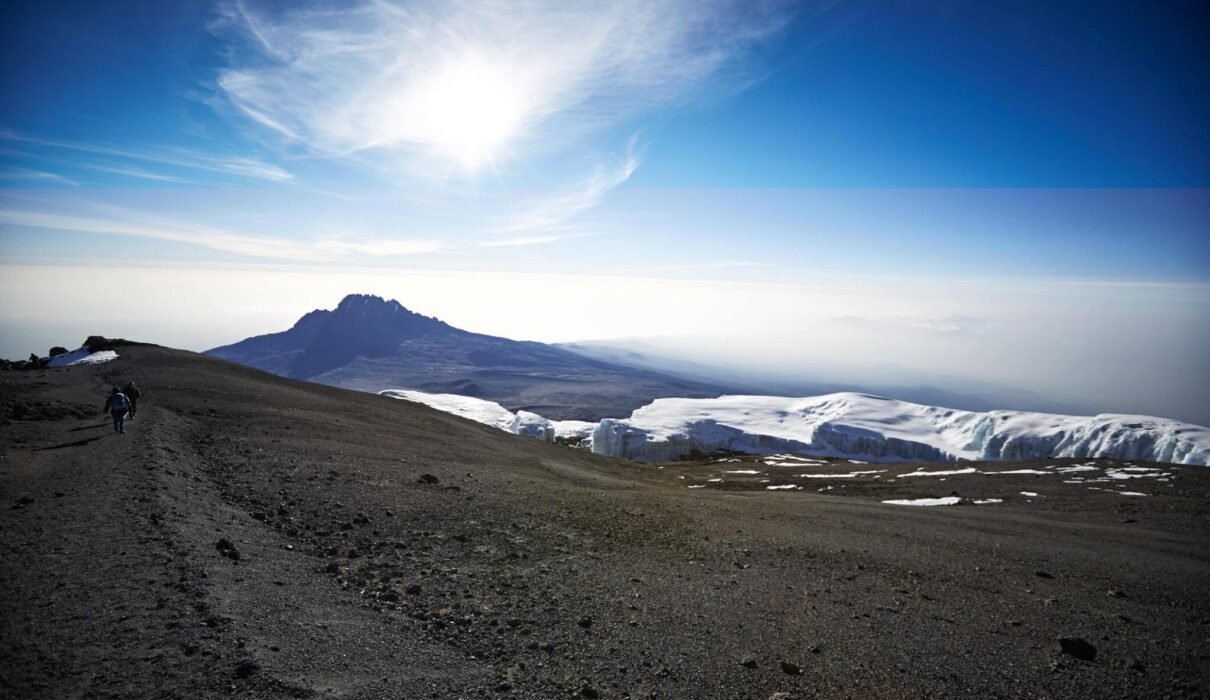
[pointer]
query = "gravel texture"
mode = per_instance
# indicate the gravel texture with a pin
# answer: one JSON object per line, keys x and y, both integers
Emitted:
{"x": 265, "y": 537}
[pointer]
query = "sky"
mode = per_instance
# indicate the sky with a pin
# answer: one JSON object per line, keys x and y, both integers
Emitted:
{"x": 1013, "y": 195}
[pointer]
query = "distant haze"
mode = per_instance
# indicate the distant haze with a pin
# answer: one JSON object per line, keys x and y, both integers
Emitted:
{"x": 1096, "y": 347}
{"x": 939, "y": 198}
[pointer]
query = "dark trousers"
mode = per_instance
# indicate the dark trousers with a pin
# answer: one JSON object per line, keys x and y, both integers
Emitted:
{"x": 119, "y": 420}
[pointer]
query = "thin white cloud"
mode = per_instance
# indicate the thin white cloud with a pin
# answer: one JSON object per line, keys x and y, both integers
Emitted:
{"x": 552, "y": 213}
{"x": 242, "y": 166}
{"x": 470, "y": 82}
{"x": 529, "y": 240}
{"x": 138, "y": 173}
{"x": 36, "y": 176}
{"x": 138, "y": 225}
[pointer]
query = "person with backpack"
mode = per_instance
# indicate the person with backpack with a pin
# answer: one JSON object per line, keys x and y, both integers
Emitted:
{"x": 132, "y": 393}
{"x": 117, "y": 404}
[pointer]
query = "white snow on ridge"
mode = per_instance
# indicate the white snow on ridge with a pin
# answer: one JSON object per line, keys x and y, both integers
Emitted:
{"x": 493, "y": 414}
{"x": 81, "y": 356}
{"x": 860, "y": 426}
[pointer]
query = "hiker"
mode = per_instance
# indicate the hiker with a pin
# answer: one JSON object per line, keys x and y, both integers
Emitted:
{"x": 117, "y": 404}
{"x": 132, "y": 393}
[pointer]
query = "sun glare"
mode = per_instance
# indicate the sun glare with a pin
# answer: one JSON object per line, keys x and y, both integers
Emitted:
{"x": 469, "y": 111}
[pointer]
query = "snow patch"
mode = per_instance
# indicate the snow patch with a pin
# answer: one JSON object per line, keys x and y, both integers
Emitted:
{"x": 968, "y": 470}
{"x": 493, "y": 414}
{"x": 946, "y": 501}
{"x": 81, "y": 356}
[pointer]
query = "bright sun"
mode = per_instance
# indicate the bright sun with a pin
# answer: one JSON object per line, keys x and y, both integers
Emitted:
{"x": 469, "y": 110}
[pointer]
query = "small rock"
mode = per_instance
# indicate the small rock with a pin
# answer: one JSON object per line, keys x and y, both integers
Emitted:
{"x": 259, "y": 516}
{"x": 1136, "y": 665}
{"x": 790, "y": 668}
{"x": 1043, "y": 574}
{"x": 749, "y": 662}
{"x": 1077, "y": 647}
{"x": 1114, "y": 593}
{"x": 389, "y": 597}
{"x": 224, "y": 544}
{"x": 585, "y": 622}
{"x": 413, "y": 589}
{"x": 589, "y": 692}
{"x": 427, "y": 478}
{"x": 332, "y": 568}
{"x": 245, "y": 668}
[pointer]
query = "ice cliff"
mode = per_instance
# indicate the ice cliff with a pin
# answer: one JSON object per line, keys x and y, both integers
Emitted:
{"x": 873, "y": 428}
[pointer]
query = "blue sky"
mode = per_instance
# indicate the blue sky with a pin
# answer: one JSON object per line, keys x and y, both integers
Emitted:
{"x": 773, "y": 147}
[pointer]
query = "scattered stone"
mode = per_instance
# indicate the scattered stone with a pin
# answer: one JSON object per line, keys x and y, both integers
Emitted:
{"x": 585, "y": 622}
{"x": 24, "y": 501}
{"x": 227, "y": 549}
{"x": 1114, "y": 593}
{"x": 1136, "y": 665}
{"x": 790, "y": 668}
{"x": 427, "y": 478}
{"x": 259, "y": 516}
{"x": 332, "y": 568}
{"x": 1077, "y": 647}
{"x": 389, "y": 597}
{"x": 413, "y": 589}
{"x": 589, "y": 692}
{"x": 749, "y": 662}
{"x": 1043, "y": 574}
{"x": 245, "y": 668}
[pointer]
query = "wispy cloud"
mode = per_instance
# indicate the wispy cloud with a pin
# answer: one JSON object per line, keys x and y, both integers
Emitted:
{"x": 24, "y": 174}
{"x": 120, "y": 222}
{"x": 465, "y": 81}
{"x": 529, "y": 240}
{"x": 241, "y": 166}
{"x": 552, "y": 213}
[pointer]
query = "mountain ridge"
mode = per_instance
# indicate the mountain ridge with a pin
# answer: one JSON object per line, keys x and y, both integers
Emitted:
{"x": 370, "y": 343}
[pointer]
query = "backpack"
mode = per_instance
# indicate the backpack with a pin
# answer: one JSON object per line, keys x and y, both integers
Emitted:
{"x": 120, "y": 403}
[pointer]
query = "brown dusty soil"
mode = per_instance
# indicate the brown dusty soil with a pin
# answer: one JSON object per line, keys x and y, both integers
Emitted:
{"x": 262, "y": 537}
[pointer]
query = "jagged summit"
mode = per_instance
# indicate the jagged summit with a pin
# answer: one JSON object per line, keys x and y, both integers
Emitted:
{"x": 361, "y": 326}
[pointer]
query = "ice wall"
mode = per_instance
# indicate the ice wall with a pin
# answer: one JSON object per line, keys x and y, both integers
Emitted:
{"x": 873, "y": 428}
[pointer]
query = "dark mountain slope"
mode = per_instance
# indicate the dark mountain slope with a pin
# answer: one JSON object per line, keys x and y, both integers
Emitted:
{"x": 255, "y": 536}
{"x": 371, "y": 344}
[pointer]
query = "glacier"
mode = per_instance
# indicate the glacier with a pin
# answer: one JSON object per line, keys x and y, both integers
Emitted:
{"x": 524, "y": 423}
{"x": 878, "y": 429}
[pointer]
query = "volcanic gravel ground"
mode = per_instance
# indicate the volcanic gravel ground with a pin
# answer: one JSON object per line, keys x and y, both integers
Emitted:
{"x": 259, "y": 536}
